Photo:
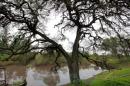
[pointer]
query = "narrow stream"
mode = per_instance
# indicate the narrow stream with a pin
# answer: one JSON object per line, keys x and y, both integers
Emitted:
{"x": 43, "y": 77}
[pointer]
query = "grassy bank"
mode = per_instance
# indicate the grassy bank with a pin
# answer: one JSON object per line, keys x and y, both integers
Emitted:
{"x": 116, "y": 77}
{"x": 109, "y": 78}
{"x": 113, "y": 78}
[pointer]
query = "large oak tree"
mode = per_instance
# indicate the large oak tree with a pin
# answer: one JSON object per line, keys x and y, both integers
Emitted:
{"x": 110, "y": 17}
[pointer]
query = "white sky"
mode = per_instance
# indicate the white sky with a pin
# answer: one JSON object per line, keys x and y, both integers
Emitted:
{"x": 54, "y": 32}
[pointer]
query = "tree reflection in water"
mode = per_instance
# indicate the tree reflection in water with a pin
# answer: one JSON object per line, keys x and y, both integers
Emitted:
{"x": 52, "y": 79}
{"x": 39, "y": 76}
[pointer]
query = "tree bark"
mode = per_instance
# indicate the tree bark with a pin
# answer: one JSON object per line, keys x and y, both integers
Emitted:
{"x": 73, "y": 63}
{"x": 74, "y": 71}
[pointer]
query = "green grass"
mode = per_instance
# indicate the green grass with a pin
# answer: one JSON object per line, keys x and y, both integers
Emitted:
{"x": 18, "y": 83}
{"x": 44, "y": 59}
{"x": 81, "y": 83}
{"x": 113, "y": 78}
{"x": 3, "y": 57}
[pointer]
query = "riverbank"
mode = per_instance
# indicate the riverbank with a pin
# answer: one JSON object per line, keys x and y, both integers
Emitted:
{"x": 118, "y": 77}
{"x": 115, "y": 77}
{"x": 43, "y": 64}
{"x": 38, "y": 60}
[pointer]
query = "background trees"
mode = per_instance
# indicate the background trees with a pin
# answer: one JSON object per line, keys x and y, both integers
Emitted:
{"x": 116, "y": 47}
{"x": 111, "y": 45}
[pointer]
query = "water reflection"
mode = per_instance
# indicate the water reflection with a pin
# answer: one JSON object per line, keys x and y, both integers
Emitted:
{"x": 35, "y": 78}
{"x": 2, "y": 77}
{"x": 42, "y": 77}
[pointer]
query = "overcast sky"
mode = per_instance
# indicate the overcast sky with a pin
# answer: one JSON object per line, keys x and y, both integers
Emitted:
{"x": 54, "y": 32}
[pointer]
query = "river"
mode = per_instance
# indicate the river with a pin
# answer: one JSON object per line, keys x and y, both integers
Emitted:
{"x": 41, "y": 76}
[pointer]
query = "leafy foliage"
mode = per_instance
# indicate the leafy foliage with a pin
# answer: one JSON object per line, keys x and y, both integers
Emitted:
{"x": 116, "y": 46}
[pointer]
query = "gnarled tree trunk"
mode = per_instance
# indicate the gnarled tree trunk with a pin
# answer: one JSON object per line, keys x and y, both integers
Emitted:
{"x": 73, "y": 63}
{"x": 74, "y": 71}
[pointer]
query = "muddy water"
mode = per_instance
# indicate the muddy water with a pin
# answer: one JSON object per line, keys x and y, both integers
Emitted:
{"x": 39, "y": 76}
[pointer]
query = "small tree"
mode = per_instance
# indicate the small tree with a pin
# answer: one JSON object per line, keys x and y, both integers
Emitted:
{"x": 111, "y": 45}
